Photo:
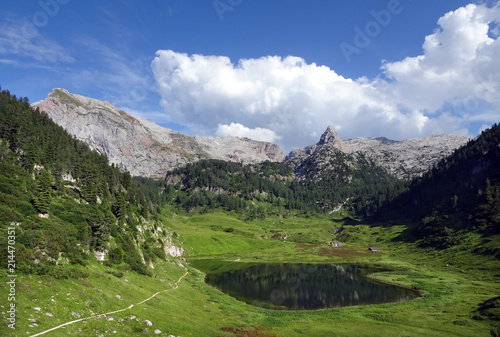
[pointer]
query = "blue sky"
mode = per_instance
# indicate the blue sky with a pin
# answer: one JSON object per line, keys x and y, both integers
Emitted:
{"x": 279, "y": 70}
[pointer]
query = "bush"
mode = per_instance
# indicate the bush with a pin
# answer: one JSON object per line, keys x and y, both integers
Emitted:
{"x": 139, "y": 267}
{"x": 160, "y": 253}
{"x": 116, "y": 255}
{"x": 118, "y": 274}
{"x": 8, "y": 213}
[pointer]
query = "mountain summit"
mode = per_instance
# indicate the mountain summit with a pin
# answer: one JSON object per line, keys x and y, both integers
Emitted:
{"x": 404, "y": 159}
{"x": 142, "y": 147}
{"x": 330, "y": 136}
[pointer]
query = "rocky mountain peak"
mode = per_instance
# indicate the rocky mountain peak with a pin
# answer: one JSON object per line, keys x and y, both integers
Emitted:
{"x": 404, "y": 159}
{"x": 330, "y": 136}
{"x": 140, "y": 146}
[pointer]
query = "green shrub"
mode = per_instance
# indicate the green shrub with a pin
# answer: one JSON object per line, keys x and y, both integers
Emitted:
{"x": 7, "y": 213}
{"x": 116, "y": 255}
{"x": 118, "y": 274}
{"x": 160, "y": 253}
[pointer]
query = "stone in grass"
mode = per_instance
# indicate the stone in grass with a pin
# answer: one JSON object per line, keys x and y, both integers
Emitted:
{"x": 157, "y": 331}
{"x": 49, "y": 314}
{"x": 148, "y": 323}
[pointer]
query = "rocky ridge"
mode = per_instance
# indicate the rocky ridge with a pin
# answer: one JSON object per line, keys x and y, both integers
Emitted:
{"x": 142, "y": 147}
{"x": 404, "y": 159}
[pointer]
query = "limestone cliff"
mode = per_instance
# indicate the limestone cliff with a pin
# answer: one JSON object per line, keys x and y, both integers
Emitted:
{"x": 142, "y": 147}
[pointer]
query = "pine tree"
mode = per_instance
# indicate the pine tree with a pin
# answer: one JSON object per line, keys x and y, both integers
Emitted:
{"x": 119, "y": 206}
{"x": 43, "y": 194}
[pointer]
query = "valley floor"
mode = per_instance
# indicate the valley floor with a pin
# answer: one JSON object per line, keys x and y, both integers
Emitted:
{"x": 454, "y": 283}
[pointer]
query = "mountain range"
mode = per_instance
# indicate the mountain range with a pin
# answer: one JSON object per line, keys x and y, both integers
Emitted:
{"x": 142, "y": 147}
{"x": 147, "y": 149}
{"x": 404, "y": 159}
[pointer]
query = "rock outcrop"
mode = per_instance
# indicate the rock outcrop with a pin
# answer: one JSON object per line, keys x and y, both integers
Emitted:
{"x": 404, "y": 159}
{"x": 329, "y": 139}
{"x": 407, "y": 158}
{"x": 142, "y": 147}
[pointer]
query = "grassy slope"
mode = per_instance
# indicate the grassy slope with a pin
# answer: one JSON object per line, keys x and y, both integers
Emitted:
{"x": 454, "y": 283}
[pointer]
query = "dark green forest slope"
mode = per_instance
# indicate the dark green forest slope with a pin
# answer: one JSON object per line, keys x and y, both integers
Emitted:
{"x": 274, "y": 188}
{"x": 69, "y": 199}
{"x": 462, "y": 192}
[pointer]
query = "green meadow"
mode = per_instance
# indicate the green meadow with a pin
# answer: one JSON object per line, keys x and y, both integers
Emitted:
{"x": 455, "y": 284}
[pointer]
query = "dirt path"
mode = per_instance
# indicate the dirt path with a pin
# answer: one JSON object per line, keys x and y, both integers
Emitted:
{"x": 112, "y": 312}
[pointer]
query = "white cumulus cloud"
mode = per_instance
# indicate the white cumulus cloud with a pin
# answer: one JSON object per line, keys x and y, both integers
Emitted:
{"x": 238, "y": 130}
{"x": 460, "y": 63}
{"x": 453, "y": 83}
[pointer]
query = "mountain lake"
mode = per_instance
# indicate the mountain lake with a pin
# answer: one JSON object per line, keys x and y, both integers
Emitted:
{"x": 301, "y": 286}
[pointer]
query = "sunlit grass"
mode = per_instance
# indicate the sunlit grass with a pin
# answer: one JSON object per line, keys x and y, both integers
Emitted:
{"x": 454, "y": 283}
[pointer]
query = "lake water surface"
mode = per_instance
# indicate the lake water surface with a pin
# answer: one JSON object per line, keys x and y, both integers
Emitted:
{"x": 294, "y": 286}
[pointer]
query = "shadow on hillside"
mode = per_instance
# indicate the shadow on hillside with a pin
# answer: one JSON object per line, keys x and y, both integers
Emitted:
{"x": 346, "y": 221}
{"x": 407, "y": 235}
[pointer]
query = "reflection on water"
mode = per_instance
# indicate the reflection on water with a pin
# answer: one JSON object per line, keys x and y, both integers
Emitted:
{"x": 306, "y": 286}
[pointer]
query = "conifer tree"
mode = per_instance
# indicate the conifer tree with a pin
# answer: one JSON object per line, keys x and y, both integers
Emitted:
{"x": 43, "y": 194}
